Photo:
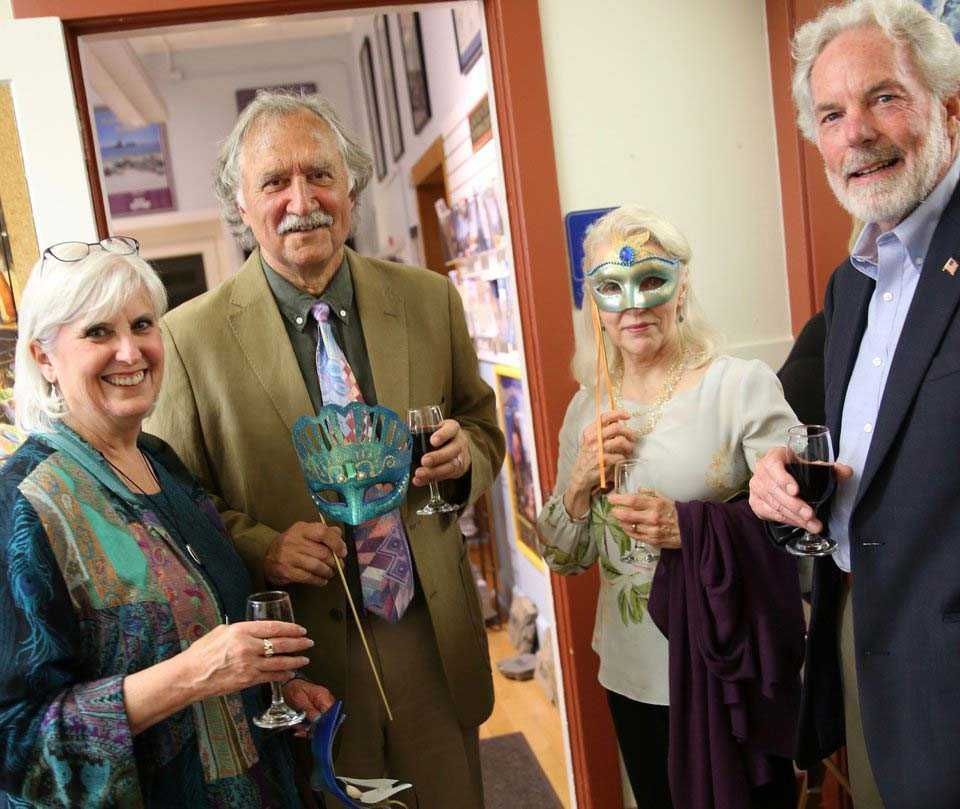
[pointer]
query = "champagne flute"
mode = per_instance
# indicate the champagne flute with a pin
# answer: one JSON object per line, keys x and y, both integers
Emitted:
{"x": 626, "y": 481}
{"x": 423, "y": 423}
{"x": 274, "y": 605}
{"x": 811, "y": 466}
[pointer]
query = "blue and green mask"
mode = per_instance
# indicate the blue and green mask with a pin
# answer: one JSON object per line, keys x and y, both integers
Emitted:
{"x": 355, "y": 460}
{"x": 633, "y": 275}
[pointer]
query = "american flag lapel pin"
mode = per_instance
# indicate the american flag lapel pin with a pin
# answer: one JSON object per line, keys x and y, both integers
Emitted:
{"x": 951, "y": 267}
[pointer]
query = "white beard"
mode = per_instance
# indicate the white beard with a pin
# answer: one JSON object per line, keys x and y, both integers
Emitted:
{"x": 893, "y": 198}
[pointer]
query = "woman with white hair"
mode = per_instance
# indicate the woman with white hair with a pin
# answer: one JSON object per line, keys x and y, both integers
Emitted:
{"x": 127, "y": 665}
{"x": 695, "y": 418}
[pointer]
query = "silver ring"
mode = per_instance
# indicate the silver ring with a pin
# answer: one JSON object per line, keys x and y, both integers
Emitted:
{"x": 458, "y": 462}
{"x": 267, "y": 647}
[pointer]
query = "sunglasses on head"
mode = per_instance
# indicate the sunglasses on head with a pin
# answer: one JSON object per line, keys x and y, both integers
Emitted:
{"x": 68, "y": 252}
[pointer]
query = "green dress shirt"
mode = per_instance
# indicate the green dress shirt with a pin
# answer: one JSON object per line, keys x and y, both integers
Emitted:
{"x": 294, "y": 305}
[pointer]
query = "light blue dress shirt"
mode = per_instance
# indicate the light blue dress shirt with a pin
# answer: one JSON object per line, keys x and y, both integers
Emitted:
{"x": 894, "y": 260}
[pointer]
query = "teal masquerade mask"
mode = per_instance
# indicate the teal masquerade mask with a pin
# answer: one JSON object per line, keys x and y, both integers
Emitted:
{"x": 359, "y": 452}
{"x": 632, "y": 275}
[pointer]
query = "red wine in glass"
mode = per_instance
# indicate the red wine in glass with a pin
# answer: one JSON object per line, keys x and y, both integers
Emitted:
{"x": 421, "y": 446}
{"x": 815, "y": 479}
{"x": 811, "y": 466}
{"x": 423, "y": 423}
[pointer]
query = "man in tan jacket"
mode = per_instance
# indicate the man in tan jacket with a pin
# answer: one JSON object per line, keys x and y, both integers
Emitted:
{"x": 240, "y": 371}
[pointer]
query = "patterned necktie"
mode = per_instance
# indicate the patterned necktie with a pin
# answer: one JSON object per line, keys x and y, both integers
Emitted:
{"x": 386, "y": 571}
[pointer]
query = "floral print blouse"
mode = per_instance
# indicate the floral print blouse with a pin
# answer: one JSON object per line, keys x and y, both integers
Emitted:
{"x": 703, "y": 448}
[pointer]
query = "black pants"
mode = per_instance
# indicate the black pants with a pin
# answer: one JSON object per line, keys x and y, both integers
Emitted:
{"x": 643, "y": 732}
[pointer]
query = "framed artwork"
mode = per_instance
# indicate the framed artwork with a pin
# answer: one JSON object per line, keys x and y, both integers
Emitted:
{"x": 947, "y": 11}
{"x": 372, "y": 103}
{"x": 467, "y": 24}
{"x": 389, "y": 82}
{"x": 520, "y": 481}
{"x": 247, "y": 94}
{"x": 135, "y": 166}
{"x": 411, "y": 43}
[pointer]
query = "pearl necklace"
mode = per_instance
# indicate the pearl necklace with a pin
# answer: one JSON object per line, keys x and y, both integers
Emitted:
{"x": 670, "y": 382}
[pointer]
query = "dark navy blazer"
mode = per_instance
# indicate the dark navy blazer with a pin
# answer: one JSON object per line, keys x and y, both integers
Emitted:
{"x": 905, "y": 545}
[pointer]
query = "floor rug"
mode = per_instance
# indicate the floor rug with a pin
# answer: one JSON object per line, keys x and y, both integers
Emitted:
{"x": 512, "y": 776}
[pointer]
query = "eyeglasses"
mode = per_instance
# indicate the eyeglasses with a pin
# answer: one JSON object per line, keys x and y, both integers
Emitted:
{"x": 69, "y": 252}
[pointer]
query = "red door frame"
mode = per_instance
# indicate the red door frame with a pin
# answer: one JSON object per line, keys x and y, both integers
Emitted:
{"x": 544, "y": 300}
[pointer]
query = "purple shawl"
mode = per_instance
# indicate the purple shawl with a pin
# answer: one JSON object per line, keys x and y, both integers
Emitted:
{"x": 729, "y": 603}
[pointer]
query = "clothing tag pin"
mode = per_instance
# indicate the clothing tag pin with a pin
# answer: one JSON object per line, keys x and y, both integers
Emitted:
{"x": 951, "y": 267}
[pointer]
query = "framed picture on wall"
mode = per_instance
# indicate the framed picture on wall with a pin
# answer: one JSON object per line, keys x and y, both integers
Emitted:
{"x": 388, "y": 80}
{"x": 411, "y": 43}
{"x": 511, "y": 405}
{"x": 135, "y": 166}
{"x": 372, "y": 104}
{"x": 247, "y": 94}
{"x": 467, "y": 23}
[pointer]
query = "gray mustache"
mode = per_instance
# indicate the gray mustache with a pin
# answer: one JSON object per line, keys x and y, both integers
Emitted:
{"x": 293, "y": 222}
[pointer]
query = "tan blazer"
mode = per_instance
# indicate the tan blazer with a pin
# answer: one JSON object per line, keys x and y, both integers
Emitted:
{"x": 232, "y": 392}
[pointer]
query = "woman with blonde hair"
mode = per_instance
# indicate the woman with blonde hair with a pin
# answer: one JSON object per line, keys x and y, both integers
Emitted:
{"x": 696, "y": 419}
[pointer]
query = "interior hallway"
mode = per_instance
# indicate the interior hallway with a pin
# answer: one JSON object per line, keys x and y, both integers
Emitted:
{"x": 522, "y": 707}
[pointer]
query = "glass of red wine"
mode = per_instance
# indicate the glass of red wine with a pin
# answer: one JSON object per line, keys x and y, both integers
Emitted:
{"x": 423, "y": 423}
{"x": 811, "y": 466}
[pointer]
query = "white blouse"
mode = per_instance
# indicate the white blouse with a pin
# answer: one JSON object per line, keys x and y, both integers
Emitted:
{"x": 703, "y": 448}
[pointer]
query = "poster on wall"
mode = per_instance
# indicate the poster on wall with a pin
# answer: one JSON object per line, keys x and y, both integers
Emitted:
{"x": 247, "y": 94}
{"x": 411, "y": 43}
{"x": 947, "y": 11}
{"x": 523, "y": 497}
{"x": 135, "y": 163}
{"x": 467, "y": 30}
{"x": 372, "y": 104}
{"x": 388, "y": 79}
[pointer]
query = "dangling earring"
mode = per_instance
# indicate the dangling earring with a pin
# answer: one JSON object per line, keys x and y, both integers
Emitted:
{"x": 680, "y": 317}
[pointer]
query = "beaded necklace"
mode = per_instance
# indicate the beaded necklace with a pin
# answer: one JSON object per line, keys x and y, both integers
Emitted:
{"x": 655, "y": 412}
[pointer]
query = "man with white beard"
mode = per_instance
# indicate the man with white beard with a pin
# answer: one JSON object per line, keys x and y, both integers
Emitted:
{"x": 875, "y": 84}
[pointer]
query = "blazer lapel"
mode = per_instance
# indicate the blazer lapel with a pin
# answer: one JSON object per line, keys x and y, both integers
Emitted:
{"x": 258, "y": 327}
{"x": 843, "y": 342}
{"x": 383, "y": 321}
{"x": 931, "y": 311}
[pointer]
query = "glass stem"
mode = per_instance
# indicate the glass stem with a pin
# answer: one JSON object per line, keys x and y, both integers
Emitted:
{"x": 434, "y": 492}
{"x": 277, "y": 694}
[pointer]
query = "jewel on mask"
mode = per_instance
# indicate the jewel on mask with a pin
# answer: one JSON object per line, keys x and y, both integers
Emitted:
{"x": 637, "y": 274}
{"x": 359, "y": 452}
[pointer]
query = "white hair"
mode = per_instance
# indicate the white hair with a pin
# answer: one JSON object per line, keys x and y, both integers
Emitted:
{"x": 694, "y": 333}
{"x": 271, "y": 105}
{"x": 57, "y": 294}
{"x": 929, "y": 42}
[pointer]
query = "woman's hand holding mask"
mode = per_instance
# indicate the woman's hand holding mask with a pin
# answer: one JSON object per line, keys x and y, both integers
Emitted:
{"x": 618, "y": 445}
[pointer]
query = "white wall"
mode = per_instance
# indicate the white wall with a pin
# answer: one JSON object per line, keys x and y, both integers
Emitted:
{"x": 452, "y": 94}
{"x": 6, "y": 10}
{"x": 670, "y": 105}
{"x": 202, "y": 106}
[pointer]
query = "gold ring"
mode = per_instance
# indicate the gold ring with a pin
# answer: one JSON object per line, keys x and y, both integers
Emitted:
{"x": 635, "y": 529}
{"x": 267, "y": 647}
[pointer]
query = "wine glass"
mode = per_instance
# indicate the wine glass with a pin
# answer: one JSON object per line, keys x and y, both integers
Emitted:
{"x": 274, "y": 605}
{"x": 811, "y": 466}
{"x": 626, "y": 481}
{"x": 423, "y": 423}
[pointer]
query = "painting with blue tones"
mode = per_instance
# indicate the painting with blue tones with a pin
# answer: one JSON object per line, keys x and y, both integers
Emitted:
{"x": 575, "y": 224}
{"x": 946, "y": 10}
{"x": 134, "y": 165}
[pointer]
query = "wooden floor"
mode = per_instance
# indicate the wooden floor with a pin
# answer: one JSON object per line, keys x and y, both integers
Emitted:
{"x": 522, "y": 707}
